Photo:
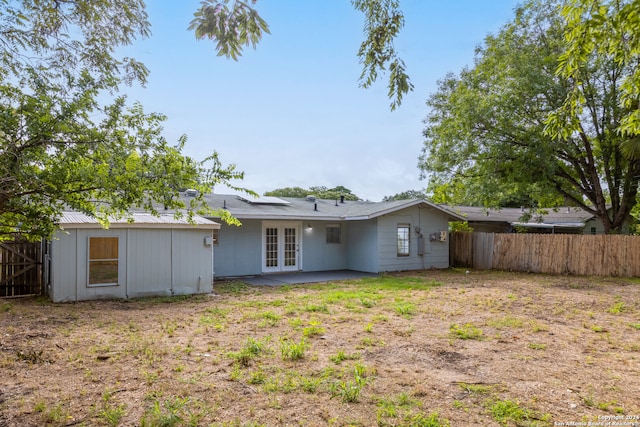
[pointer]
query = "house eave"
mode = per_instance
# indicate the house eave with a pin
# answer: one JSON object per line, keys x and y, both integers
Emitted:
{"x": 415, "y": 202}
{"x": 575, "y": 225}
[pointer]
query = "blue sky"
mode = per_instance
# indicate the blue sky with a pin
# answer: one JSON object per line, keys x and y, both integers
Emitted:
{"x": 290, "y": 113}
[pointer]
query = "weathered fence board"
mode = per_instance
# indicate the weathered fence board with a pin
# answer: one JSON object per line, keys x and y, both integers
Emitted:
{"x": 601, "y": 255}
{"x": 21, "y": 268}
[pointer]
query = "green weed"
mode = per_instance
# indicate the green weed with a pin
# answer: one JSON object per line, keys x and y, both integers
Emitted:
{"x": 316, "y": 308}
{"x": 111, "y": 414}
{"x": 617, "y": 308}
{"x": 54, "y": 415}
{"x": 258, "y": 377}
{"x": 342, "y": 356}
{"x": 292, "y": 350}
{"x": 296, "y": 322}
{"x": 405, "y": 309}
{"x": 371, "y": 342}
{"x": 270, "y": 318}
{"x": 250, "y": 351}
{"x": 391, "y": 283}
{"x": 476, "y": 388}
{"x": 380, "y": 318}
{"x": 310, "y": 384}
{"x": 466, "y": 332}
{"x": 367, "y": 302}
{"x": 349, "y": 391}
{"x": 537, "y": 326}
{"x": 167, "y": 414}
{"x": 313, "y": 329}
{"x": 535, "y": 346}
{"x": 507, "y": 411}
{"x": 506, "y": 322}
{"x": 427, "y": 420}
{"x": 169, "y": 327}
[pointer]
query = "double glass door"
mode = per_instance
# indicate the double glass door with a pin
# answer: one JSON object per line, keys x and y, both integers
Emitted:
{"x": 280, "y": 246}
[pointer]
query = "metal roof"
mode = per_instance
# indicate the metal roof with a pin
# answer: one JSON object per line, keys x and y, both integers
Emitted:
{"x": 72, "y": 219}
{"x": 318, "y": 209}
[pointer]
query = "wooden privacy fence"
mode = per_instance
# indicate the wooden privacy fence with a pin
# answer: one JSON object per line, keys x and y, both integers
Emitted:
{"x": 601, "y": 255}
{"x": 23, "y": 268}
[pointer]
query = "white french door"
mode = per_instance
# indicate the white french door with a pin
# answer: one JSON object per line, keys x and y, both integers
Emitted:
{"x": 280, "y": 246}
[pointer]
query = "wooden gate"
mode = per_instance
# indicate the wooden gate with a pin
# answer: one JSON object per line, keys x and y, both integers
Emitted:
{"x": 24, "y": 268}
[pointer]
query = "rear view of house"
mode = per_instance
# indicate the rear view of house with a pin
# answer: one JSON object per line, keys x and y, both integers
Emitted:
{"x": 294, "y": 234}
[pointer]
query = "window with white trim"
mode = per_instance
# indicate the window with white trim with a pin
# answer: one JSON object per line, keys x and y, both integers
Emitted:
{"x": 404, "y": 236}
{"x": 103, "y": 261}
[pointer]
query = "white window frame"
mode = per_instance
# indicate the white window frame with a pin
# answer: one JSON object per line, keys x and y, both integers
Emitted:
{"x": 91, "y": 260}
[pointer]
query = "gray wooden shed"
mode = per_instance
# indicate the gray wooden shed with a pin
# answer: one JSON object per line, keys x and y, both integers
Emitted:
{"x": 150, "y": 256}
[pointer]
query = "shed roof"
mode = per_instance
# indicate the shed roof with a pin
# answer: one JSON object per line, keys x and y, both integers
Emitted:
{"x": 72, "y": 219}
{"x": 291, "y": 208}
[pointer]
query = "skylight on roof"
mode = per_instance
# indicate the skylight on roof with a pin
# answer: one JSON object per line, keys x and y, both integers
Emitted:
{"x": 264, "y": 200}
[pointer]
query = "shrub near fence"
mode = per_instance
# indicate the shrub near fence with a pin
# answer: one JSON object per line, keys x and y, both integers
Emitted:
{"x": 601, "y": 255}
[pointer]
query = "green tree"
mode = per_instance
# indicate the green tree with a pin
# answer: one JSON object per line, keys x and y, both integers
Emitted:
{"x": 603, "y": 29}
{"x": 236, "y": 24}
{"x": 406, "y": 195}
{"x": 297, "y": 192}
{"x": 488, "y": 134}
{"x": 60, "y": 146}
{"x": 318, "y": 191}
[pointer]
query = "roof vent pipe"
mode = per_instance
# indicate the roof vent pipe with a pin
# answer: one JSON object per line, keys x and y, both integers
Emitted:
{"x": 315, "y": 207}
{"x": 341, "y": 199}
{"x": 224, "y": 205}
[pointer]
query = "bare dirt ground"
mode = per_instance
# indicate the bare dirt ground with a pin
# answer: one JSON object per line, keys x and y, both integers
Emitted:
{"x": 424, "y": 348}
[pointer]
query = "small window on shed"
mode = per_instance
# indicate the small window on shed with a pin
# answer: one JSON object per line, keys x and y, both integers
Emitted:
{"x": 216, "y": 236}
{"x": 333, "y": 233}
{"x": 593, "y": 230}
{"x": 403, "y": 239}
{"x": 103, "y": 261}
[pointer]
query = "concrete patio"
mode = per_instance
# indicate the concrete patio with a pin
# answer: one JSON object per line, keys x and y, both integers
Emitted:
{"x": 299, "y": 277}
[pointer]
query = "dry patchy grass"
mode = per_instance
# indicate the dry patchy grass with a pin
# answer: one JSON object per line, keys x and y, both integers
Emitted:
{"x": 428, "y": 348}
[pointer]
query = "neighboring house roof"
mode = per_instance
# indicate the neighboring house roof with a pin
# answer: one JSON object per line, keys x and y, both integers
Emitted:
{"x": 139, "y": 220}
{"x": 566, "y": 217}
{"x": 290, "y": 208}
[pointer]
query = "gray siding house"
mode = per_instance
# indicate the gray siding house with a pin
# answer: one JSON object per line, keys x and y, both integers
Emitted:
{"x": 292, "y": 234}
{"x": 149, "y": 256}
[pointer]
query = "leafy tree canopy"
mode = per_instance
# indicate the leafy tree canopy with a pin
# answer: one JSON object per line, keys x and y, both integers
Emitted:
{"x": 61, "y": 145}
{"x": 406, "y": 195}
{"x": 318, "y": 191}
{"x": 236, "y": 24}
{"x": 525, "y": 124}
